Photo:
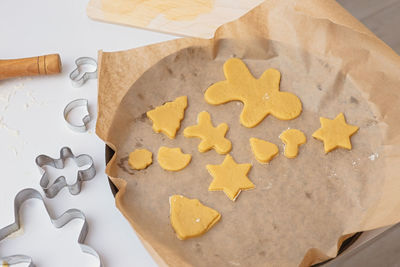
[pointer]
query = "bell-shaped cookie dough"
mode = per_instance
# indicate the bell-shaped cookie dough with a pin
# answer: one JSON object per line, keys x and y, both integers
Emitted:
{"x": 190, "y": 218}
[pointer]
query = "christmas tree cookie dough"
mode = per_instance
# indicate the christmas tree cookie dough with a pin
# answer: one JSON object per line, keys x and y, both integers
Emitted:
{"x": 335, "y": 133}
{"x": 293, "y": 139}
{"x": 260, "y": 97}
{"x": 139, "y": 159}
{"x": 190, "y": 218}
{"x": 230, "y": 177}
{"x": 263, "y": 151}
{"x": 167, "y": 118}
{"x": 212, "y": 137}
{"x": 172, "y": 159}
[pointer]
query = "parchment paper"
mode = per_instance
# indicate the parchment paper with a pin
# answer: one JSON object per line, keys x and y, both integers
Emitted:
{"x": 303, "y": 208}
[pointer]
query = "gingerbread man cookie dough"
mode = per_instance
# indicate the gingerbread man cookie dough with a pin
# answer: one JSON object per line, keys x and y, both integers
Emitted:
{"x": 260, "y": 97}
{"x": 212, "y": 137}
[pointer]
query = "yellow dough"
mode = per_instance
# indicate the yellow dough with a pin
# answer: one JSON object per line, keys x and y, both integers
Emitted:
{"x": 335, "y": 133}
{"x": 230, "y": 177}
{"x": 212, "y": 137}
{"x": 260, "y": 97}
{"x": 293, "y": 139}
{"x": 190, "y": 218}
{"x": 172, "y": 159}
{"x": 263, "y": 151}
{"x": 167, "y": 118}
{"x": 140, "y": 159}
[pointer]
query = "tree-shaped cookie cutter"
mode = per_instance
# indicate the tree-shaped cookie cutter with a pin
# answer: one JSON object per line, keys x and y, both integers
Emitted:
{"x": 52, "y": 189}
{"x": 58, "y": 222}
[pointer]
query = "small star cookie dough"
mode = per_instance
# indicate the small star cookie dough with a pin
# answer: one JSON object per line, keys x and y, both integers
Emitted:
{"x": 139, "y": 159}
{"x": 335, "y": 133}
{"x": 212, "y": 137}
{"x": 167, "y": 118}
{"x": 190, "y": 218}
{"x": 260, "y": 97}
{"x": 230, "y": 177}
{"x": 293, "y": 139}
{"x": 263, "y": 151}
{"x": 172, "y": 159}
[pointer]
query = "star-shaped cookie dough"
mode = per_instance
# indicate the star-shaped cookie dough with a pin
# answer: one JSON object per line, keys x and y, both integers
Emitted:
{"x": 335, "y": 133}
{"x": 230, "y": 177}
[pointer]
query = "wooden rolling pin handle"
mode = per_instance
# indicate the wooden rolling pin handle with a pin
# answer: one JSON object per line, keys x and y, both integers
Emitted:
{"x": 42, "y": 65}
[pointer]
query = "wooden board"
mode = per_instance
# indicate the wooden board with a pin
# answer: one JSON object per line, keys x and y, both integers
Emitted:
{"x": 197, "y": 18}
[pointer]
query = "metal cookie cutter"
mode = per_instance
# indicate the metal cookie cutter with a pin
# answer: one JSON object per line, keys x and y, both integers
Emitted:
{"x": 52, "y": 189}
{"x": 58, "y": 222}
{"x": 86, "y": 119}
{"x": 76, "y": 76}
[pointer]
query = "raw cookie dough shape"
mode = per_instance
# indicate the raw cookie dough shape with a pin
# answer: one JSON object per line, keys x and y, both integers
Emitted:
{"x": 335, "y": 133}
{"x": 172, "y": 159}
{"x": 293, "y": 139}
{"x": 212, "y": 137}
{"x": 260, "y": 97}
{"x": 167, "y": 118}
{"x": 190, "y": 218}
{"x": 139, "y": 159}
{"x": 230, "y": 177}
{"x": 263, "y": 151}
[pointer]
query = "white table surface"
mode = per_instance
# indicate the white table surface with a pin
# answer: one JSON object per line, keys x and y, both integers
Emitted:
{"x": 32, "y": 124}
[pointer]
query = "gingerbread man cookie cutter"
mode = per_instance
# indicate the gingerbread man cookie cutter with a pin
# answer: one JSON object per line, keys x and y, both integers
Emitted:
{"x": 52, "y": 189}
{"x": 79, "y": 77}
{"x": 58, "y": 222}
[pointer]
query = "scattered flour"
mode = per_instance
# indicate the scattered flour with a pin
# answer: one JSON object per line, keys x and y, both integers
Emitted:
{"x": 373, "y": 157}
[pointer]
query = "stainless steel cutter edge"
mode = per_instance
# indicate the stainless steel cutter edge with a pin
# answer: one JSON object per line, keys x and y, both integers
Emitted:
{"x": 58, "y": 222}
{"x": 52, "y": 189}
{"x": 75, "y": 76}
{"x": 86, "y": 119}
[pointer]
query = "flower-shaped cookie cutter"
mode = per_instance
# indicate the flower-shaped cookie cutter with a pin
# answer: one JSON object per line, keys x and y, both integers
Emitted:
{"x": 79, "y": 77}
{"x": 52, "y": 189}
{"x": 58, "y": 222}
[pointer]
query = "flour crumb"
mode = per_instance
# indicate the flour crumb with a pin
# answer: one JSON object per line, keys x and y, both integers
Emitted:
{"x": 373, "y": 157}
{"x": 268, "y": 187}
{"x": 198, "y": 220}
{"x": 332, "y": 174}
{"x": 5, "y": 126}
{"x": 19, "y": 86}
{"x": 15, "y": 151}
{"x": 266, "y": 96}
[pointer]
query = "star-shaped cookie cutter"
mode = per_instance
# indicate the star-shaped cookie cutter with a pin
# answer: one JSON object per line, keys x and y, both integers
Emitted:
{"x": 52, "y": 189}
{"x": 58, "y": 222}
